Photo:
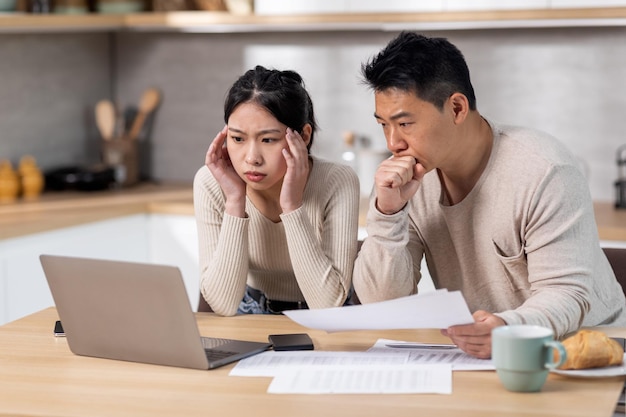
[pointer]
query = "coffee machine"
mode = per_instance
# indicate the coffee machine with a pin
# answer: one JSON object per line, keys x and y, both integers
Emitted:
{"x": 620, "y": 184}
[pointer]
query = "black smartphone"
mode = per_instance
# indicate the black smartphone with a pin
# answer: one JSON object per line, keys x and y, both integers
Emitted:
{"x": 292, "y": 341}
{"x": 58, "y": 329}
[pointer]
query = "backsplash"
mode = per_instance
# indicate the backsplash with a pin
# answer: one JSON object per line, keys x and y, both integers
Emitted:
{"x": 567, "y": 82}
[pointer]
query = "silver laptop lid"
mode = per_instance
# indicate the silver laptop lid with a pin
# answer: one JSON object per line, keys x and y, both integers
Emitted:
{"x": 126, "y": 311}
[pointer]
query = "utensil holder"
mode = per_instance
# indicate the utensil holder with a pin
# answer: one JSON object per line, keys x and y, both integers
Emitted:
{"x": 123, "y": 156}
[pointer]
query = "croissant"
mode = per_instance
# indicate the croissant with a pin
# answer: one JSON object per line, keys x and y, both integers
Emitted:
{"x": 591, "y": 349}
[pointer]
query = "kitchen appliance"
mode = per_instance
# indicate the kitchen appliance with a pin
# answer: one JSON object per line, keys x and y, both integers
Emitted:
{"x": 80, "y": 178}
{"x": 620, "y": 184}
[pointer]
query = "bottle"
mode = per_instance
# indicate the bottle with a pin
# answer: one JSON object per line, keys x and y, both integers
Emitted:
{"x": 32, "y": 180}
{"x": 348, "y": 156}
{"x": 9, "y": 182}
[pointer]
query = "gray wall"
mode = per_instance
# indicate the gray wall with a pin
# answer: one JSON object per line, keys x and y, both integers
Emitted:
{"x": 48, "y": 86}
{"x": 568, "y": 82}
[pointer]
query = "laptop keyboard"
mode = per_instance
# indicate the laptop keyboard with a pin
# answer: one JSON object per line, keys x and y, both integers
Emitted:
{"x": 211, "y": 348}
{"x": 213, "y": 342}
{"x": 215, "y": 355}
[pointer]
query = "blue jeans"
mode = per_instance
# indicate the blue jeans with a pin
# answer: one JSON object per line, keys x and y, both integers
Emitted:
{"x": 250, "y": 306}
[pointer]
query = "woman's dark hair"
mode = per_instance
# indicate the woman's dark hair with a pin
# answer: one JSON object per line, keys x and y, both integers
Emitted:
{"x": 432, "y": 68}
{"x": 282, "y": 93}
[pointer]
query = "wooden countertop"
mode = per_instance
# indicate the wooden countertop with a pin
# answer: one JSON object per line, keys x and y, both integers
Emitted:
{"x": 55, "y": 210}
{"x": 611, "y": 221}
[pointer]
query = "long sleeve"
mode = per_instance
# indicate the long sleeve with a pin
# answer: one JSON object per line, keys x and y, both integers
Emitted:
{"x": 388, "y": 265}
{"x": 522, "y": 244}
{"x": 223, "y": 247}
{"x": 323, "y": 256}
{"x": 307, "y": 256}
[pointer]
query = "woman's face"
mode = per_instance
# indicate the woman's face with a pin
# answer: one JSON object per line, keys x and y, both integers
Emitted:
{"x": 255, "y": 143}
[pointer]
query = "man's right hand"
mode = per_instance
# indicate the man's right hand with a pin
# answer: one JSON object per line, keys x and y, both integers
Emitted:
{"x": 396, "y": 181}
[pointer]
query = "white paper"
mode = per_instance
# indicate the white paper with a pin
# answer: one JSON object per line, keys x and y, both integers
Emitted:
{"x": 424, "y": 353}
{"x": 433, "y": 310}
{"x": 272, "y": 363}
{"x": 375, "y": 379}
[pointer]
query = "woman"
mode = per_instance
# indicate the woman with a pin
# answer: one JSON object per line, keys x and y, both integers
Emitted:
{"x": 277, "y": 227}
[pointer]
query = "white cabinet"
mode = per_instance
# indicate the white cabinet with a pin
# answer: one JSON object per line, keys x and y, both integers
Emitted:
{"x": 174, "y": 241}
{"x": 160, "y": 239}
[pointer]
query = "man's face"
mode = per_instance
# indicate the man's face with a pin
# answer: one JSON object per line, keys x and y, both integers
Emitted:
{"x": 414, "y": 127}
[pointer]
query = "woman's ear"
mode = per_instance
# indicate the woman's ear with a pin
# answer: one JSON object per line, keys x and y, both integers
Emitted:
{"x": 306, "y": 133}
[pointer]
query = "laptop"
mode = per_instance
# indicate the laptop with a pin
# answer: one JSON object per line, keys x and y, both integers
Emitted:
{"x": 134, "y": 312}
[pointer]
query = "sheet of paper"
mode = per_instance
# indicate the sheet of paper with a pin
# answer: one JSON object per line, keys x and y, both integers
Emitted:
{"x": 433, "y": 310}
{"x": 271, "y": 363}
{"x": 376, "y": 379}
{"x": 423, "y": 353}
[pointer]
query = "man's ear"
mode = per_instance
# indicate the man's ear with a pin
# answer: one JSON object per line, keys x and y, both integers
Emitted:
{"x": 306, "y": 133}
{"x": 460, "y": 107}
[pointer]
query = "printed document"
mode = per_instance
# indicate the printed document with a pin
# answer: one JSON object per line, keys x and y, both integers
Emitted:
{"x": 432, "y": 310}
{"x": 425, "y": 353}
{"x": 374, "y": 379}
{"x": 271, "y": 363}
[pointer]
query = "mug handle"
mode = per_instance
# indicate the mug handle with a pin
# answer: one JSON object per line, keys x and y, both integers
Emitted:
{"x": 551, "y": 363}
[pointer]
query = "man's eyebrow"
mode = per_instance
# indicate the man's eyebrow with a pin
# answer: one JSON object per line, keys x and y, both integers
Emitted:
{"x": 395, "y": 116}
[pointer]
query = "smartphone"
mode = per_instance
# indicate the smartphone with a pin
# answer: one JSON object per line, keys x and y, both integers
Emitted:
{"x": 58, "y": 329}
{"x": 291, "y": 341}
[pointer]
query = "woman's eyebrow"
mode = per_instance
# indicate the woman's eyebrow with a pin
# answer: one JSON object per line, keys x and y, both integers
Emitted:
{"x": 266, "y": 131}
{"x": 261, "y": 132}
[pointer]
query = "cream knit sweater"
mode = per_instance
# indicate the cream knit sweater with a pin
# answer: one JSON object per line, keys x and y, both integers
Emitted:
{"x": 308, "y": 256}
{"x": 523, "y": 244}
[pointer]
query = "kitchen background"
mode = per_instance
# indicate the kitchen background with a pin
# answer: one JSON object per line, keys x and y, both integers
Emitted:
{"x": 566, "y": 81}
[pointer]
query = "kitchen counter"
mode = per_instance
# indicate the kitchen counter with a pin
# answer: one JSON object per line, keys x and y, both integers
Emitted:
{"x": 611, "y": 221}
{"x": 55, "y": 210}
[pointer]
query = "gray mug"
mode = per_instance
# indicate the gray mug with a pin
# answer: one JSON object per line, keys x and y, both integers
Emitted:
{"x": 523, "y": 354}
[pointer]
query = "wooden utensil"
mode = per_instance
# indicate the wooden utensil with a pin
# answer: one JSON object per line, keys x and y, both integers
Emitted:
{"x": 149, "y": 101}
{"x": 105, "y": 119}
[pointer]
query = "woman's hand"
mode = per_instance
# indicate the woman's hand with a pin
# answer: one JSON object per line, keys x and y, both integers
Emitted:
{"x": 297, "y": 157}
{"x": 234, "y": 188}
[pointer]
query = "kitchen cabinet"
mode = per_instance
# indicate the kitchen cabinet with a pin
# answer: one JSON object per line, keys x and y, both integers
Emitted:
{"x": 165, "y": 239}
{"x": 173, "y": 240}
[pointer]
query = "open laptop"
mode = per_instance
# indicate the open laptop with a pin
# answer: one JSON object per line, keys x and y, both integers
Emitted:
{"x": 134, "y": 312}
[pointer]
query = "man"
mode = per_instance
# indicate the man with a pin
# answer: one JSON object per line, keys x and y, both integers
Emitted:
{"x": 501, "y": 213}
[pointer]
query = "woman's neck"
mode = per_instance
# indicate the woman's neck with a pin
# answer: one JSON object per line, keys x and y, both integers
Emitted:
{"x": 267, "y": 202}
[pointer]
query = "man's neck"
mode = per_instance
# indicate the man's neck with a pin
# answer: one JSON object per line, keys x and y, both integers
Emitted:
{"x": 473, "y": 155}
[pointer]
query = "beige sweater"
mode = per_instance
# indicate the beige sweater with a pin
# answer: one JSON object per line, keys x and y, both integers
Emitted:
{"x": 308, "y": 256}
{"x": 523, "y": 244}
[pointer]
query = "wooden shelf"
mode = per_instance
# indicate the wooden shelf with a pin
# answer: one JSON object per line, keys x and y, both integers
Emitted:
{"x": 223, "y": 22}
{"x": 23, "y": 22}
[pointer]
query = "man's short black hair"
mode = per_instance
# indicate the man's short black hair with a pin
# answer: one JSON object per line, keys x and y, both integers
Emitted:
{"x": 432, "y": 68}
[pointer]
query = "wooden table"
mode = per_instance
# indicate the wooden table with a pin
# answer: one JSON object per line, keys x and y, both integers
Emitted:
{"x": 39, "y": 376}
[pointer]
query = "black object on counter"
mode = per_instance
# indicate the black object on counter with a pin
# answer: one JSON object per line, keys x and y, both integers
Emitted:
{"x": 80, "y": 178}
{"x": 620, "y": 184}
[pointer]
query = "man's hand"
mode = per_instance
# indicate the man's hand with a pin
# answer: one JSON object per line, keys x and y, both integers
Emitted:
{"x": 396, "y": 181}
{"x": 475, "y": 339}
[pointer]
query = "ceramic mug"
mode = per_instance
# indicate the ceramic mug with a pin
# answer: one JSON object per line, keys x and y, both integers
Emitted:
{"x": 523, "y": 355}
